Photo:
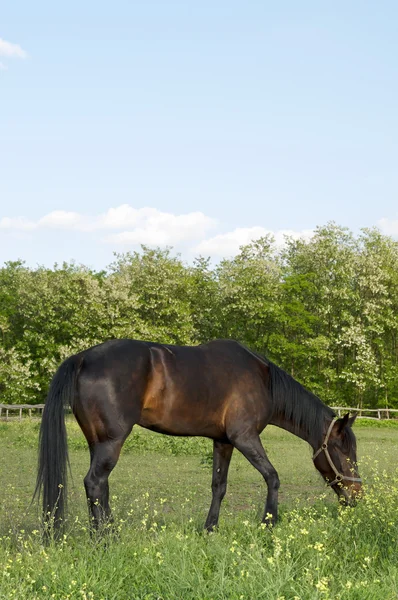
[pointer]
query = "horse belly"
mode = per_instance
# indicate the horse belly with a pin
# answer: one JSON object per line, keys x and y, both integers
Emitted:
{"x": 168, "y": 415}
{"x": 181, "y": 423}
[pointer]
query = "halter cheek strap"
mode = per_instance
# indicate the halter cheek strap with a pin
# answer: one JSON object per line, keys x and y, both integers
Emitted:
{"x": 324, "y": 448}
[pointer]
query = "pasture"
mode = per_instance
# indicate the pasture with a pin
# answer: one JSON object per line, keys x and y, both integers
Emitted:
{"x": 160, "y": 495}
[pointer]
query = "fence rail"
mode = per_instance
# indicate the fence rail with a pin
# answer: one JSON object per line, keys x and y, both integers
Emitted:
{"x": 7, "y": 408}
{"x": 363, "y": 413}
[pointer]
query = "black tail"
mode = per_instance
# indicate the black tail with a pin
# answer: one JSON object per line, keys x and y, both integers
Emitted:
{"x": 53, "y": 445}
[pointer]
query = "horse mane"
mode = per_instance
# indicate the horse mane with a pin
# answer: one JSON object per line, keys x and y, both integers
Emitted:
{"x": 293, "y": 402}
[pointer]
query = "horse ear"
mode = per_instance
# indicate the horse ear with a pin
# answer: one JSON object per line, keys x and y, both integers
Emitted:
{"x": 345, "y": 421}
{"x": 351, "y": 420}
{"x": 342, "y": 423}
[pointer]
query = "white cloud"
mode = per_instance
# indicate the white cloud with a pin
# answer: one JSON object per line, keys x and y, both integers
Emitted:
{"x": 3, "y": 67}
{"x": 388, "y": 226}
{"x": 125, "y": 225}
{"x": 9, "y": 50}
{"x": 228, "y": 244}
{"x": 126, "y": 217}
{"x": 123, "y": 216}
{"x": 140, "y": 225}
{"x": 61, "y": 219}
{"x": 150, "y": 226}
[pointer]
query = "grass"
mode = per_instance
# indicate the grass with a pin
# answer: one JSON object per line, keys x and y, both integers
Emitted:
{"x": 160, "y": 493}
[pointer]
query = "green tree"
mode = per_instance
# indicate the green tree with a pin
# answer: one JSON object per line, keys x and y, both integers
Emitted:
{"x": 250, "y": 294}
{"x": 153, "y": 297}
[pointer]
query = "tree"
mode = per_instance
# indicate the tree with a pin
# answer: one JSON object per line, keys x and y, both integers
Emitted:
{"x": 153, "y": 296}
{"x": 250, "y": 294}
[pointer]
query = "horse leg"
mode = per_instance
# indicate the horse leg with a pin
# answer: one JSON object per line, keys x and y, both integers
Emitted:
{"x": 251, "y": 447}
{"x": 104, "y": 456}
{"x": 221, "y": 458}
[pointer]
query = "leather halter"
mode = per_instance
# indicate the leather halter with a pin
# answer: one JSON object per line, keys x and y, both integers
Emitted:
{"x": 324, "y": 448}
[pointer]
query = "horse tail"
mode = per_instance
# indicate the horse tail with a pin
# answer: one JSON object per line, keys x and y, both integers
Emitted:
{"x": 53, "y": 444}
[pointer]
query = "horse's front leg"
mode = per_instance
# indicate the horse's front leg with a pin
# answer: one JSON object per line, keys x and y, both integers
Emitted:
{"x": 251, "y": 447}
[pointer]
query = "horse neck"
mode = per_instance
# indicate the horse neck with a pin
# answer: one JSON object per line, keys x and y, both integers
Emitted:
{"x": 295, "y": 408}
{"x": 314, "y": 437}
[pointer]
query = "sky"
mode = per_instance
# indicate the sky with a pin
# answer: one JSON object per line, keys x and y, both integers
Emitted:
{"x": 196, "y": 125}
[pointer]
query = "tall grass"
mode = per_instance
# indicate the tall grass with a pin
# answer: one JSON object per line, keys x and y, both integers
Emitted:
{"x": 156, "y": 549}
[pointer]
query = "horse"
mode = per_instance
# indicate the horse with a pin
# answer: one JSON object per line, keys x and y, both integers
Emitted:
{"x": 219, "y": 390}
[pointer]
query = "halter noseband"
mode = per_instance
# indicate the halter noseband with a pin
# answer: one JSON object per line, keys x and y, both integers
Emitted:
{"x": 324, "y": 448}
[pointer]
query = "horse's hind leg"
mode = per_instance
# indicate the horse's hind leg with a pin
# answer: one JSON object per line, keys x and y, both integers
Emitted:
{"x": 104, "y": 456}
{"x": 221, "y": 458}
{"x": 251, "y": 447}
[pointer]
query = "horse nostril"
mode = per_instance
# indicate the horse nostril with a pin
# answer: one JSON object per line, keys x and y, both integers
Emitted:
{"x": 355, "y": 494}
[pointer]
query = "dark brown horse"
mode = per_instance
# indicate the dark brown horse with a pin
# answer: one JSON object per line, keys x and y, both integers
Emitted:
{"x": 220, "y": 390}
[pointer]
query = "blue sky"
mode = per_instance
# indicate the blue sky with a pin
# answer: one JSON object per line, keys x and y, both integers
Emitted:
{"x": 199, "y": 125}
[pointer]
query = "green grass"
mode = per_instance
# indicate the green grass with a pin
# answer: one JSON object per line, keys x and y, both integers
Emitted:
{"x": 160, "y": 493}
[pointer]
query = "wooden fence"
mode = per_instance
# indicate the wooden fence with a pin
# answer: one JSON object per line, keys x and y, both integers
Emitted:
{"x": 6, "y": 409}
{"x": 19, "y": 410}
{"x": 367, "y": 413}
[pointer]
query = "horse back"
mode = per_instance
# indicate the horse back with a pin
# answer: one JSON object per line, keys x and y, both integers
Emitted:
{"x": 201, "y": 390}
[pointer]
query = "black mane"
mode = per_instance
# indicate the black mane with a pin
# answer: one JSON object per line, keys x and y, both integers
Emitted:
{"x": 293, "y": 402}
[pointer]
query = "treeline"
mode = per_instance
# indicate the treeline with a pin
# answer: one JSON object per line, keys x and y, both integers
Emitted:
{"x": 326, "y": 310}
